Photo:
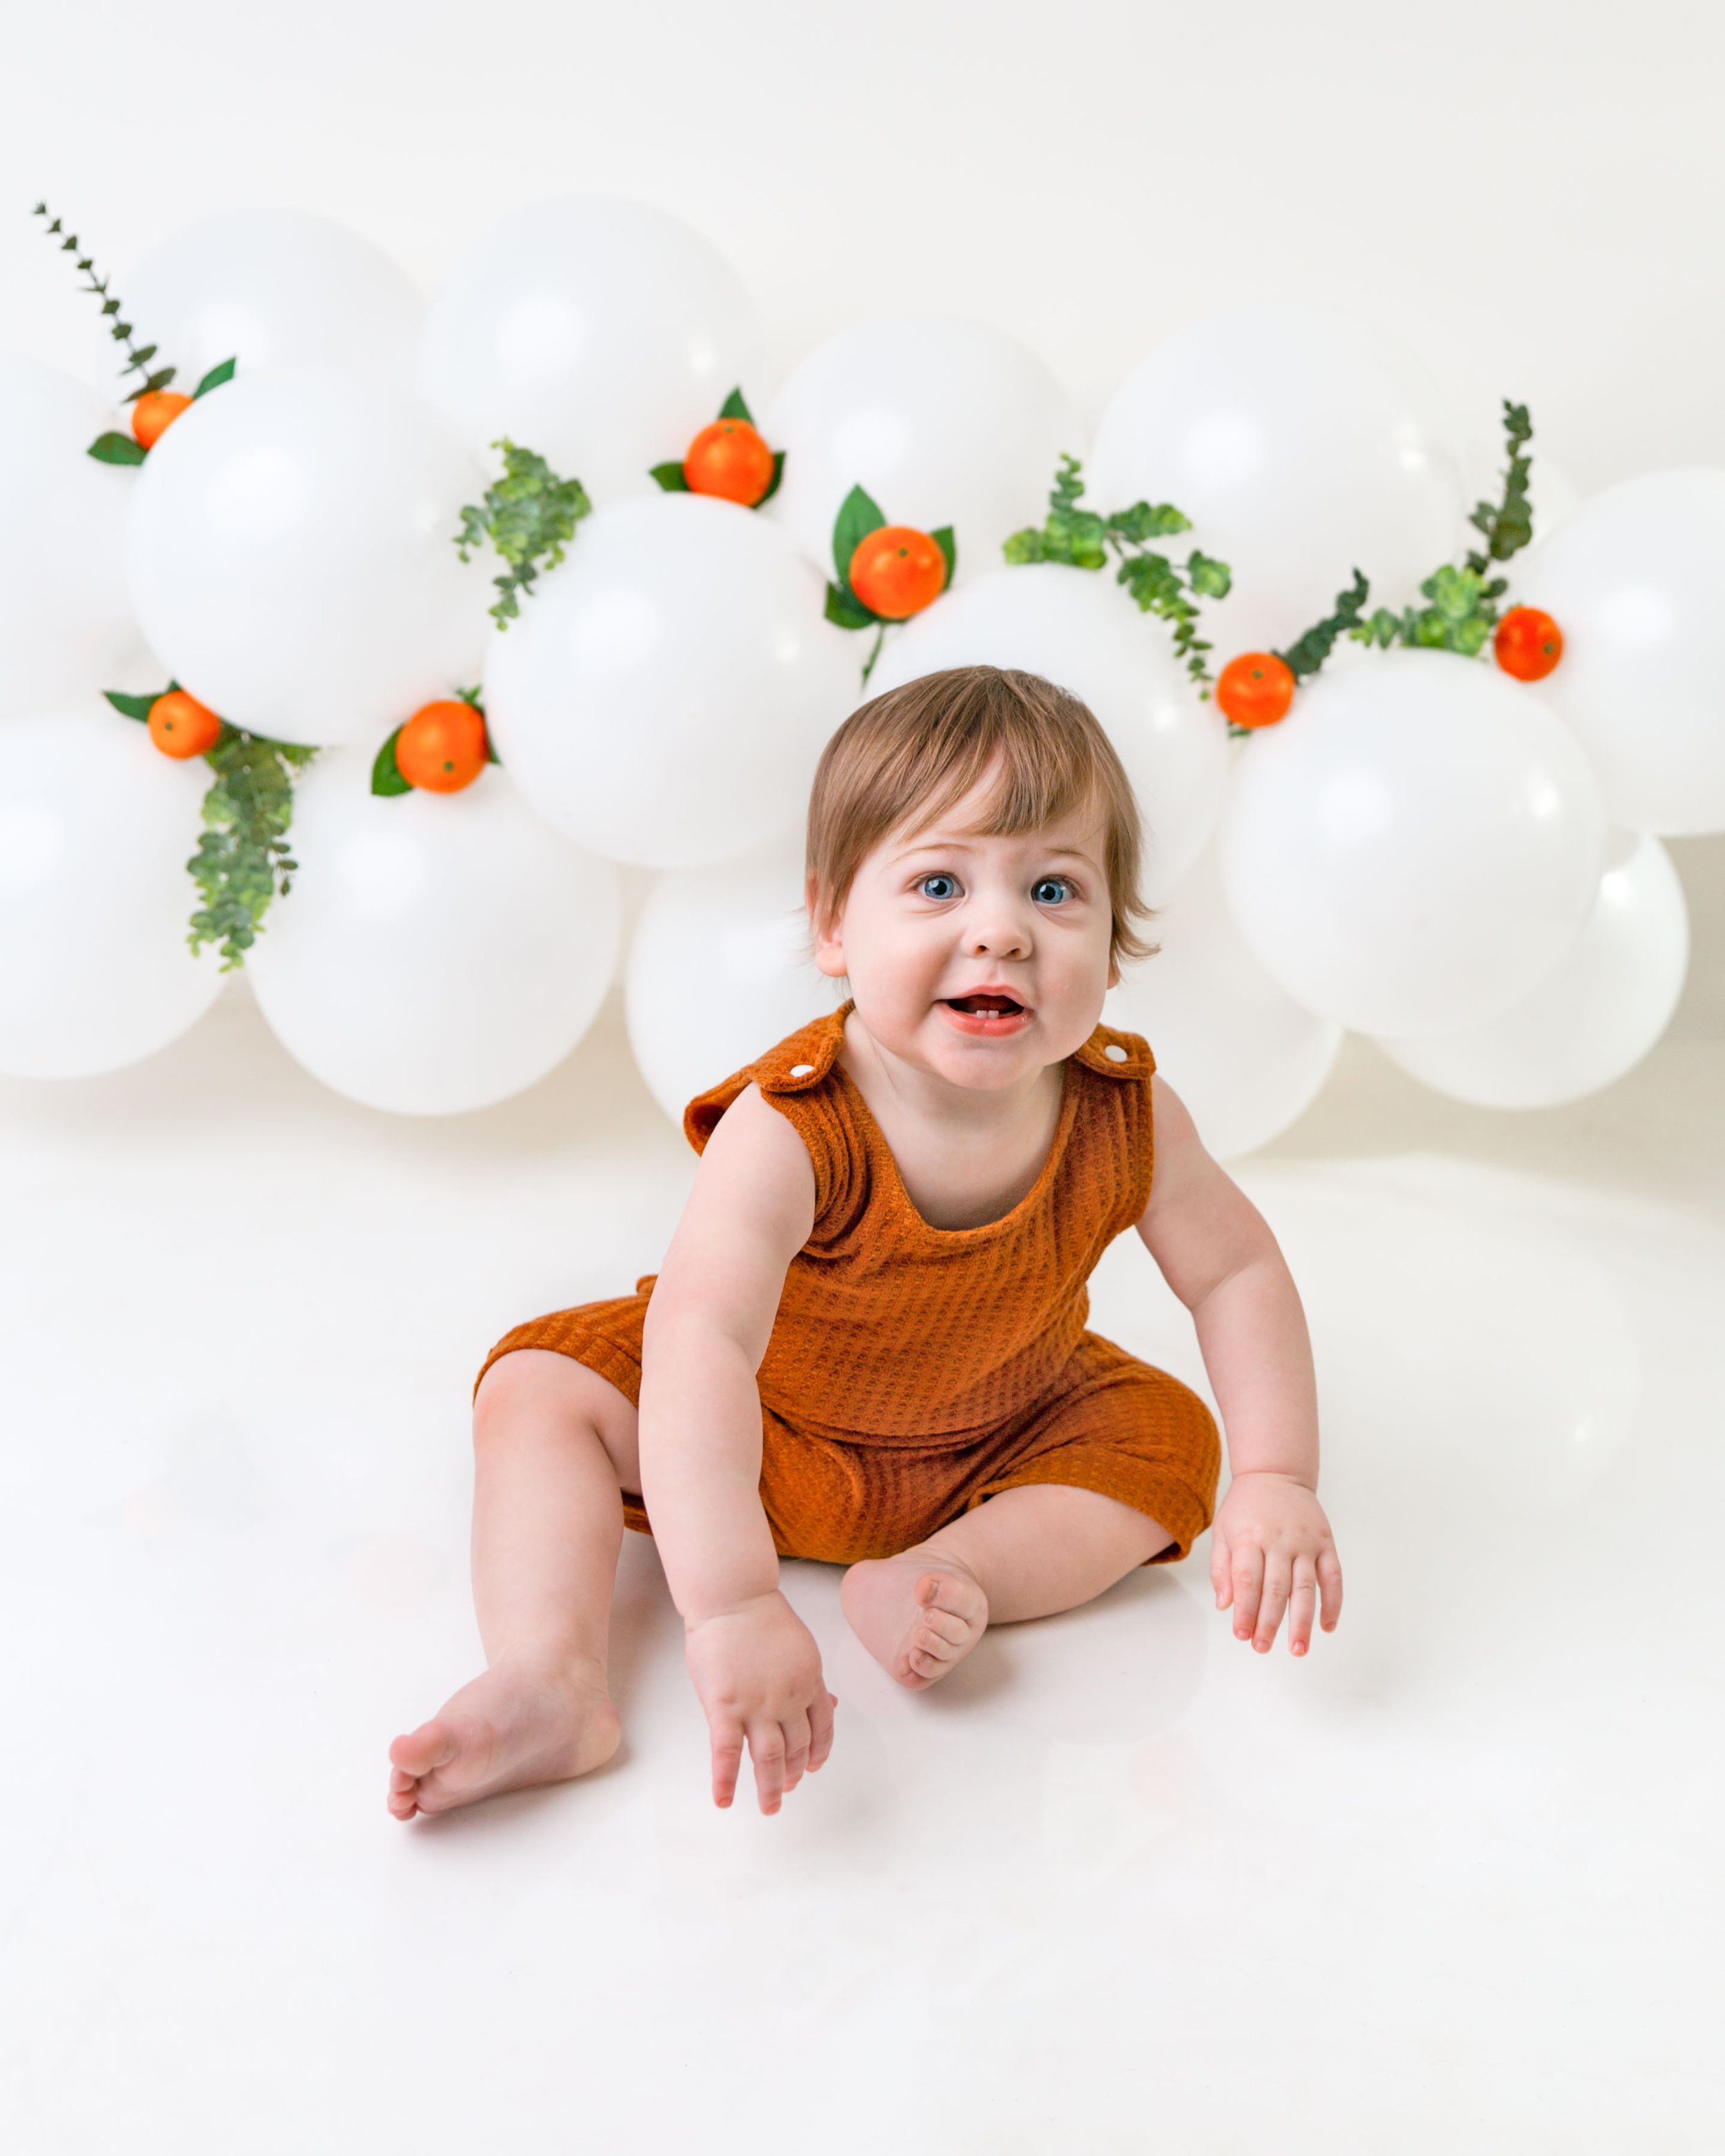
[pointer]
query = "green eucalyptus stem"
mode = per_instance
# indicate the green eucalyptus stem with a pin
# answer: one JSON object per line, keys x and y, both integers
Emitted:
{"x": 137, "y": 357}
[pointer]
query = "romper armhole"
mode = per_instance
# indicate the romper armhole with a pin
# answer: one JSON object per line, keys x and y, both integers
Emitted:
{"x": 796, "y": 1079}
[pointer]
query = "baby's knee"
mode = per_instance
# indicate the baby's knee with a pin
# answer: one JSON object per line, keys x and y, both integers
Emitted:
{"x": 523, "y": 1386}
{"x": 534, "y": 1390}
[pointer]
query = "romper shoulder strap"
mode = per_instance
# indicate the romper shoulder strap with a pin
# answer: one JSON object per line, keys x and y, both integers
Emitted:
{"x": 1120, "y": 1125}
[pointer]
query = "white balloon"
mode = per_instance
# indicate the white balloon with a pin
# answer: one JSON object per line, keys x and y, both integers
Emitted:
{"x": 1594, "y": 1016}
{"x": 1301, "y": 444}
{"x": 66, "y": 622}
{"x": 603, "y": 333}
{"x": 291, "y": 551}
{"x": 1635, "y": 580}
{"x": 438, "y": 951}
{"x": 719, "y": 971}
{"x": 274, "y": 287}
{"x": 665, "y": 693}
{"x": 1415, "y": 845}
{"x": 942, "y": 420}
{"x": 1246, "y": 1059}
{"x": 97, "y": 827}
{"x": 1078, "y": 629}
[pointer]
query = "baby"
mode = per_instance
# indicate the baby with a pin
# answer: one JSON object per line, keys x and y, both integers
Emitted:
{"x": 867, "y": 1345}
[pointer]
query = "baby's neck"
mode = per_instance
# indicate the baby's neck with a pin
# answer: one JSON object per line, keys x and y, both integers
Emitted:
{"x": 965, "y": 1154}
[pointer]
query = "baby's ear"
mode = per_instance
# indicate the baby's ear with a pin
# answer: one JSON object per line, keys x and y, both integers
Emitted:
{"x": 825, "y": 932}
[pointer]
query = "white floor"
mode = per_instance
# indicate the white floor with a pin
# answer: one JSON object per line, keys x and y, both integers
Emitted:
{"x": 1450, "y": 1885}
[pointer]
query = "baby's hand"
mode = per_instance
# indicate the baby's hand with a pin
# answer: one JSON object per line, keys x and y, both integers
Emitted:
{"x": 1270, "y": 1550}
{"x": 756, "y": 1672}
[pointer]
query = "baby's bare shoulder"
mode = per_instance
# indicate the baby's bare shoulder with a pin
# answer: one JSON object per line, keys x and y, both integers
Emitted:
{"x": 756, "y": 1170}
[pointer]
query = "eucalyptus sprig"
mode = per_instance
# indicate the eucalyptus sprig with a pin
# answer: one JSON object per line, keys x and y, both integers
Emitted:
{"x": 242, "y": 859}
{"x": 529, "y": 517}
{"x": 1461, "y": 610}
{"x": 137, "y": 357}
{"x": 1084, "y": 539}
{"x": 113, "y": 449}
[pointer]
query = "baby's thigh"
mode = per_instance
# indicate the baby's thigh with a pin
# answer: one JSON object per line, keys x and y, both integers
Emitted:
{"x": 537, "y": 1389}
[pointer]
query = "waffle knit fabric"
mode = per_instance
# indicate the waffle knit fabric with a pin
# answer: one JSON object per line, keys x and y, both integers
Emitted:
{"x": 914, "y": 1370}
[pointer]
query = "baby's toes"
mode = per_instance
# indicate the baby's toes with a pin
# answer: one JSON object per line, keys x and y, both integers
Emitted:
{"x": 943, "y": 1625}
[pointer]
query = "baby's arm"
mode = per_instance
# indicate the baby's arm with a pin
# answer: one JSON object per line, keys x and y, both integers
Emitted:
{"x": 754, "y": 1663}
{"x": 1270, "y": 1548}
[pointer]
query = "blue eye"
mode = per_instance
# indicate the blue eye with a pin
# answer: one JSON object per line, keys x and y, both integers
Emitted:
{"x": 939, "y": 886}
{"x": 1051, "y": 890}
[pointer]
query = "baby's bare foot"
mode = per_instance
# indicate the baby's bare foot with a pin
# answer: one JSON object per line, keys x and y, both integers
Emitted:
{"x": 513, "y": 1726}
{"x": 918, "y": 1615}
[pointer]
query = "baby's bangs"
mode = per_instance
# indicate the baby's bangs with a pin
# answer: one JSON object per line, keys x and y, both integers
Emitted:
{"x": 1043, "y": 775}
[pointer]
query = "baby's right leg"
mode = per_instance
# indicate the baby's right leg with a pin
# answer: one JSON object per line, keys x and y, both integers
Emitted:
{"x": 554, "y": 1447}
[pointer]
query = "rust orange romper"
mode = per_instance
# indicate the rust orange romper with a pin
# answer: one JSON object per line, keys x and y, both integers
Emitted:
{"x": 915, "y": 1371}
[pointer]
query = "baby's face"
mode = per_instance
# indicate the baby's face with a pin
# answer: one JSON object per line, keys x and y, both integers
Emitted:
{"x": 979, "y": 958}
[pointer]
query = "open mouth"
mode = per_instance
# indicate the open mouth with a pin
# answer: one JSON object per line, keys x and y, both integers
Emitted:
{"x": 988, "y": 1016}
{"x": 985, "y": 1006}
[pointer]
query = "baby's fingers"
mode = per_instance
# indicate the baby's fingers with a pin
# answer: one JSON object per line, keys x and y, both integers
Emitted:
{"x": 1246, "y": 1577}
{"x": 1301, "y": 1604}
{"x": 1221, "y": 1562}
{"x": 766, "y": 1750}
{"x": 727, "y": 1759}
{"x": 820, "y": 1728}
{"x": 1278, "y": 1578}
{"x": 1329, "y": 1579}
{"x": 794, "y": 1729}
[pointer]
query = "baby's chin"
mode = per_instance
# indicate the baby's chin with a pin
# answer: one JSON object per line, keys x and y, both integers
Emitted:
{"x": 983, "y": 1057}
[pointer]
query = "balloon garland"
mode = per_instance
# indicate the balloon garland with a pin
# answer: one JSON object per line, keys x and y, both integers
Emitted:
{"x": 663, "y": 698}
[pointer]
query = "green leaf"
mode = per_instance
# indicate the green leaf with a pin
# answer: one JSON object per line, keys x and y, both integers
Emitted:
{"x": 1022, "y": 547}
{"x": 159, "y": 380}
{"x": 670, "y": 477}
{"x": 859, "y": 515}
{"x": 214, "y": 379}
{"x": 243, "y": 860}
{"x": 846, "y": 610}
{"x": 1146, "y": 520}
{"x": 1308, "y": 652}
{"x": 943, "y": 539}
{"x": 733, "y": 407}
{"x": 116, "y": 449}
{"x": 529, "y": 515}
{"x": 772, "y": 484}
{"x": 132, "y": 707}
{"x": 1209, "y": 577}
{"x": 386, "y": 772}
{"x": 1068, "y": 489}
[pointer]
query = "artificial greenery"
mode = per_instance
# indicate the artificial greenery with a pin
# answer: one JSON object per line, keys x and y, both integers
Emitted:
{"x": 1461, "y": 610}
{"x": 1307, "y": 653}
{"x": 669, "y": 476}
{"x": 243, "y": 858}
{"x": 1084, "y": 539}
{"x": 529, "y": 516}
{"x": 137, "y": 357}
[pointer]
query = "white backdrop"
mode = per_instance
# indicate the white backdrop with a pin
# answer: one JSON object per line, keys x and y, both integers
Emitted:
{"x": 1525, "y": 190}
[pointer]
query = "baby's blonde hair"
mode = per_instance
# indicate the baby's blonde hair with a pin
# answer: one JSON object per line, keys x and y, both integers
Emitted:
{"x": 913, "y": 752}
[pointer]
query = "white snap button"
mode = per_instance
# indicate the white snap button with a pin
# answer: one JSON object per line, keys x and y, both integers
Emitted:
{"x": 1114, "y": 1052}
{"x": 802, "y": 1070}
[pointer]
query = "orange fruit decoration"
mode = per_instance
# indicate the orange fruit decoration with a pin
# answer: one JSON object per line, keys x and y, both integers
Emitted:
{"x": 897, "y": 571}
{"x": 1528, "y": 644}
{"x": 154, "y": 413}
{"x": 730, "y": 459}
{"x": 442, "y": 748}
{"x": 1256, "y": 690}
{"x": 181, "y": 727}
